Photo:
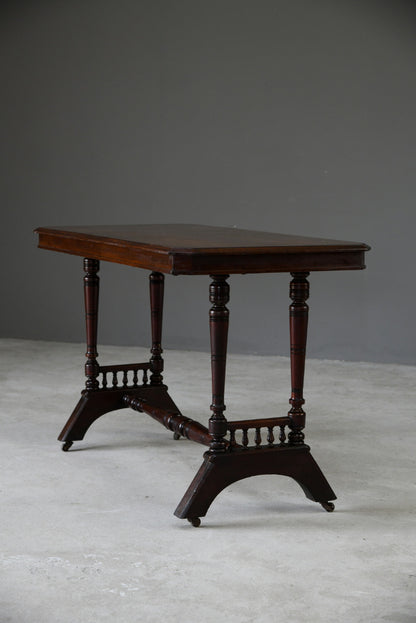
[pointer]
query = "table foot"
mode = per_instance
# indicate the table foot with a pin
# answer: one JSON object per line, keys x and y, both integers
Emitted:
{"x": 66, "y": 446}
{"x": 328, "y": 506}
{"x": 95, "y": 403}
{"x": 218, "y": 471}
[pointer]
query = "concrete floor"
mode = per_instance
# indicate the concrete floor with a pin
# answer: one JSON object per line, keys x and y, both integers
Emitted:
{"x": 89, "y": 535}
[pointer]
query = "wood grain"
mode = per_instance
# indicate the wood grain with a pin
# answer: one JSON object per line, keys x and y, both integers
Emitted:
{"x": 202, "y": 249}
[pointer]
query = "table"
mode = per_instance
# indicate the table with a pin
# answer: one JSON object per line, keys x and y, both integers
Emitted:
{"x": 236, "y": 449}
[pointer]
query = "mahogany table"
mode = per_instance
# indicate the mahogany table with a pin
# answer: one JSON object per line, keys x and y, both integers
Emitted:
{"x": 236, "y": 449}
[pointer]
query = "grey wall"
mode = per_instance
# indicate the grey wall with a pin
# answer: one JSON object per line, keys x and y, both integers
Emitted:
{"x": 279, "y": 115}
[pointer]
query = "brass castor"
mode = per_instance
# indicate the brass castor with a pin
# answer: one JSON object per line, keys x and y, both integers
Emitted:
{"x": 328, "y": 506}
{"x": 176, "y": 436}
{"x": 195, "y": 521}
{"x": 66, "y": 446}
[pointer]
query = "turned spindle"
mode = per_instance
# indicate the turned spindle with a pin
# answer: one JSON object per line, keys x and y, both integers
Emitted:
{"x": 219, "y": 295}
{"x": 298, "y": 318}
{"x": 156, "y": 284}
{"x": 91, "y": 291}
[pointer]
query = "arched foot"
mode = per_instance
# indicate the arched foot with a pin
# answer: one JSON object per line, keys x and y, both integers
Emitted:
{"x": 176, "y": 436}
{"x": 66, "y": 446}
{"x": 195, "y": 521}
{"x": 328, "y": 506}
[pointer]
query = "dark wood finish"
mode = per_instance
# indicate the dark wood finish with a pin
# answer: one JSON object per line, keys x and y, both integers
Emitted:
{"x": 298, "y": 322}
{"x": 129, "y": 372}
{"x": 95, "y": 403}
{"x": 265, "y": 422}
{"x": 199, "y": 249}
{"x": 220, "y": 470}
{"x": 106, "y": 386}
{"x": 257, "y": 425}
{"x": 173, "y": 420}
{"x": 237, "y": 449}
{"x": 156, "y": 284}
{"x": 219, "y": 295}
{"x": 91, "y": 291}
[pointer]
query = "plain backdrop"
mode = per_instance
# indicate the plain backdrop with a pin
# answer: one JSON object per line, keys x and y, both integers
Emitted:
{"x": 278, "y": 115}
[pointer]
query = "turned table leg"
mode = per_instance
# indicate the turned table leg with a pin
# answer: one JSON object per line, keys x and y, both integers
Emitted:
{"x": 92, "y": 369}
{"x": 226, "y": 461}
{"x": 156, "y": 285}
{"x": 315, "y": 485}
{"x": 219, "y": 295}
{"x": 203, "y": 488}
{"x": 109, "y": 388}
{"x": 298, "y": 320}
{"x": 91, "y": 293}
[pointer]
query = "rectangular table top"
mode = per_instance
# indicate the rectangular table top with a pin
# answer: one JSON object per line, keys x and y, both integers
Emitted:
{"x": 202, "y": 249}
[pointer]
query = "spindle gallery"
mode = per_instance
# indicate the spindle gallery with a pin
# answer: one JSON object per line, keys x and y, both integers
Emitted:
{"x": 236, "y": 449}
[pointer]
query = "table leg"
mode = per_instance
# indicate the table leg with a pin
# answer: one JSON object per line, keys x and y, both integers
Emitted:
{"x": 197, "y": 499}
{"x": 227, "y": 462}
{"x": 92, "y": 369}
{"x": 98, "y": 398}
{"x": 298, "y": 322}
{"x": 91, "y": 294}
{"x": 156, "y": 286}
{"x": 219, "y": 295}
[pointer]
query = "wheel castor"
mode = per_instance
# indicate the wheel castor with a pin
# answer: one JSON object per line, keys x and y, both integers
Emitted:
{"x": 66, "y": 446}
{"x": 176, "y": 436}
{"x": 195, "y": 521}
{"x": 328, "y": 506}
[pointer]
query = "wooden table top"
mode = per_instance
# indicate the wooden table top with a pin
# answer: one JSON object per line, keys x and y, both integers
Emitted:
{"x": 201, "y": 249}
